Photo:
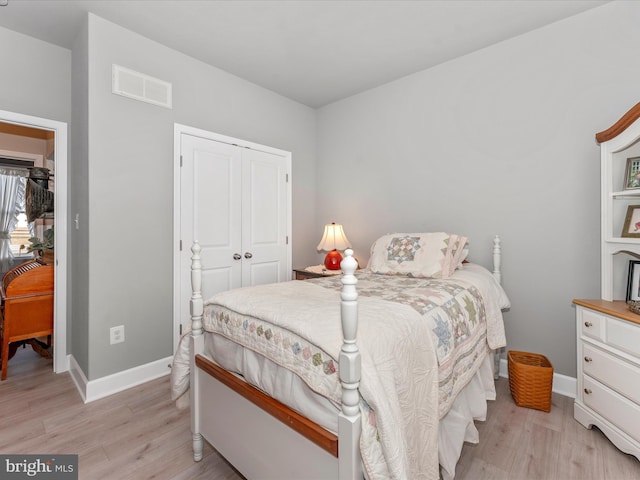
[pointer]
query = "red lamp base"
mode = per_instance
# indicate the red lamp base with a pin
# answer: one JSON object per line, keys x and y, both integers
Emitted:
{"x": 332, "y": 260}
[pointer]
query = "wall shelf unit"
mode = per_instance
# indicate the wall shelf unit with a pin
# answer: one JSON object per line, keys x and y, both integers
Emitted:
{"x": 617, "y": 145}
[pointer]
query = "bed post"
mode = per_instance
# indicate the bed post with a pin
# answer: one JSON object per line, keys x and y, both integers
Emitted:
{"x": 497, "y": 253}
{"x": 197, "y": 345}
{"x": 349, "y": 419}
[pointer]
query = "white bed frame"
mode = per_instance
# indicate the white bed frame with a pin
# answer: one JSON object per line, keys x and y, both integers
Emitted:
{"x": 261, "y": 437}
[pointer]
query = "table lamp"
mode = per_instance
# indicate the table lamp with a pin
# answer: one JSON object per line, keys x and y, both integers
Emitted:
{"x": 333, "y": 240}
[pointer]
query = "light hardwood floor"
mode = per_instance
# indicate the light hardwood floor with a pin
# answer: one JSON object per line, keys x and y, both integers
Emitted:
{"x": 139, "y": 434}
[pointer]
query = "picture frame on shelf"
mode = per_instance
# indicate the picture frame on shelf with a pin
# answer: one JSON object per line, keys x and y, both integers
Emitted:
{"x": 631, "y": 226}
{"x": 632, "y": 174}
{"x": 633, "y": 281}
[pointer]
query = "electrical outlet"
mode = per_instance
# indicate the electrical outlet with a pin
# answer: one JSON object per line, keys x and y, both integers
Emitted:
{"x": 116, "y": 334}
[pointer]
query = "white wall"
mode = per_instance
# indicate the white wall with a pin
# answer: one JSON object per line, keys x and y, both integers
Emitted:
{"x": 497, "y": 142}
{"x": 130, "y": 183}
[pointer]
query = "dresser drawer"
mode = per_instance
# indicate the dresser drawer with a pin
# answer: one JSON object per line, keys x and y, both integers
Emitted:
{"x": 592, "y": 324}
{"x": 618, "y": 410}
{"x": 614, "y": 372}
{"x": 624, "y": 336}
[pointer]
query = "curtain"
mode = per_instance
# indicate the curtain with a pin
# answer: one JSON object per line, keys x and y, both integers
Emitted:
{"x": 13, "y": 183}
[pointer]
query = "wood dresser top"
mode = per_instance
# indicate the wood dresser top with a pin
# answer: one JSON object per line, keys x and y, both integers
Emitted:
{"x": 617, "y": 308}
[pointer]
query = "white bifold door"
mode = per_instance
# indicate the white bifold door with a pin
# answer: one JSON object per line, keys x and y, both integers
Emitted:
{"x": 235, "y": 201}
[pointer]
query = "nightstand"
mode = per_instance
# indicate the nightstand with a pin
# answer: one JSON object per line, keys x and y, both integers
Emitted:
{"x": 317, "y": 272}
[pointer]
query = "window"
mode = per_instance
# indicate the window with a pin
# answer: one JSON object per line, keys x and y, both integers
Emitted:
{"x": 20, "y": 235}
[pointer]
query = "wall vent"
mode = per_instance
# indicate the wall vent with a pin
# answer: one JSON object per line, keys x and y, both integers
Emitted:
{"x": 139, "y": 86}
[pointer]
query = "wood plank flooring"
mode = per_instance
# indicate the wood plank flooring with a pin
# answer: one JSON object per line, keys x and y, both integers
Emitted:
{"x": 139, "y": 434}
{"x": 523, "y": 444}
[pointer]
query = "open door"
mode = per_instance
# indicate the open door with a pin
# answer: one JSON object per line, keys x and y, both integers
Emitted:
{"x": 43, "y": 143}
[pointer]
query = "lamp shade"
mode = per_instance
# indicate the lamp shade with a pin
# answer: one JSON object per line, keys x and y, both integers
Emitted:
{"x": 333, "y": 240}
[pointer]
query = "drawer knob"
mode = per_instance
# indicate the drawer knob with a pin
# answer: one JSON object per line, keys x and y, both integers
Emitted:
{"x": 588, "y": 324}
{"x": 587, "y": 391}
{"x": 588, "y": 359}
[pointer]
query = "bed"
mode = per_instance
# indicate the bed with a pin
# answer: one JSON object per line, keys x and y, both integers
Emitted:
{"x": 376, "y": 373}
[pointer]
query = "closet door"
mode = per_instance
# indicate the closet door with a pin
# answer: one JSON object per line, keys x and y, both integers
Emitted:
{"x": 211, "y": 213}
{"x": 235, "y": 201}
{"x": 264, "y": 218}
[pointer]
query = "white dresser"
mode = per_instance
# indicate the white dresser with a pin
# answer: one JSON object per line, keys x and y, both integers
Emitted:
{"x": 608, "y": 393}
{"x": 608, "y": 333}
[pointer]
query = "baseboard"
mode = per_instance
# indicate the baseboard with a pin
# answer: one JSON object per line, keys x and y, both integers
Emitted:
{"x": 61, "y": 365}
{"x": 105, "y": 386}
{"x": 78, "y": 377}
{"x": 562, "y": 384}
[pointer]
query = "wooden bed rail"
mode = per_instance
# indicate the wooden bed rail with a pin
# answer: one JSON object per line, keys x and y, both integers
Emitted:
{"x": 311, "y": 430}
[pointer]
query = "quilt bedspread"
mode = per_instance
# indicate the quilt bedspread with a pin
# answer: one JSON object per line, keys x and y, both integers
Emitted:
{"x": 297, "y": 325}
{"x": 454, "y": 312}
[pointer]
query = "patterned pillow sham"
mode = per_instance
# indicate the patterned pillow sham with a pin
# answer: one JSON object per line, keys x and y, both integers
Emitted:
{"x": 434, "y": 255}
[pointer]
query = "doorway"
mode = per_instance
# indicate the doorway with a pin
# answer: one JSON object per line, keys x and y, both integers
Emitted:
{"x": 55, "y": 133}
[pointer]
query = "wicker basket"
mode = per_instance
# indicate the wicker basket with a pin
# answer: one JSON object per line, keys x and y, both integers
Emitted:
{"x": 530, "y": 380}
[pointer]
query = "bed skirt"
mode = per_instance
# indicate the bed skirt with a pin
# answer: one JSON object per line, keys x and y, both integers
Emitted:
{"x": 455, "y": 428}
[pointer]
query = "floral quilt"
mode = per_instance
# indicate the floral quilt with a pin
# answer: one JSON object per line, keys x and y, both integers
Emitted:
{"x": 455, "y": 314}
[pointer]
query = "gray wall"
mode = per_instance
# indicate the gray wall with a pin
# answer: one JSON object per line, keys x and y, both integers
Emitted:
{"x": 35, "y": 77}
{"x": 78, "y": 192}
{"x": 497, "y": 142}
{"x": 500, "y": 141}
{"x": 130, "y": 183}
{"x": 36, "y": 81}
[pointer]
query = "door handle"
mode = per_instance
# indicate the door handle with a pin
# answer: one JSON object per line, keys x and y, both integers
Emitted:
{"x": 237, "y": 256}
{"x": 248, "y": 255}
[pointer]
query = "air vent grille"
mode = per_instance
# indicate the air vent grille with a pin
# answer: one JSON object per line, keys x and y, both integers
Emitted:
{"x": 139, "y": 86}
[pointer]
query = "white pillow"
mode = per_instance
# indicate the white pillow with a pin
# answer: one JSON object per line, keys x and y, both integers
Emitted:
{"x": 434, "y": 255}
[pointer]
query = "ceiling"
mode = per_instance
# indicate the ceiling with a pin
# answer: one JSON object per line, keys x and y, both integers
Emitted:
{"x": 312, "y": 51}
